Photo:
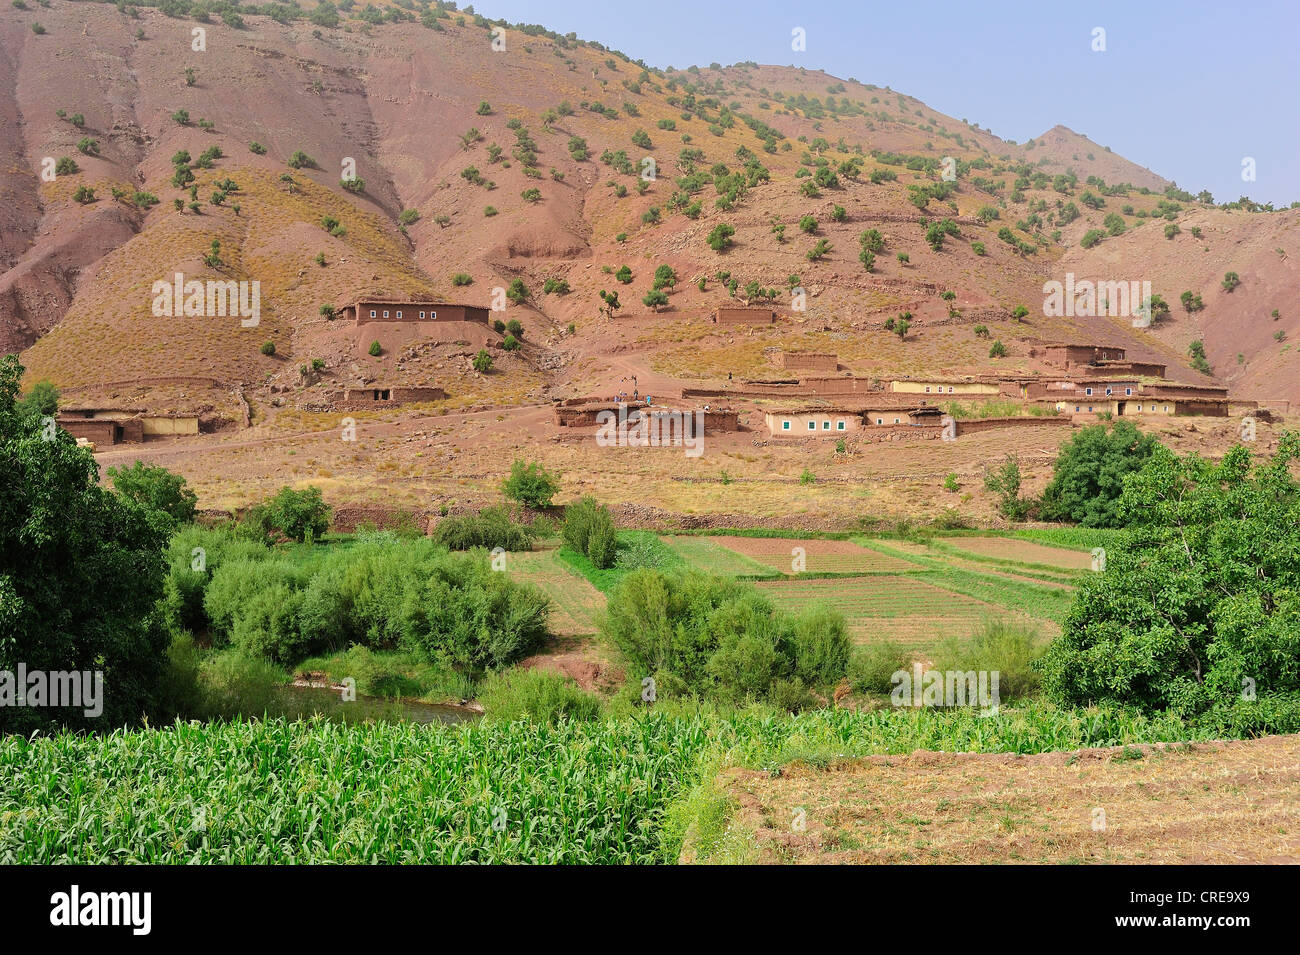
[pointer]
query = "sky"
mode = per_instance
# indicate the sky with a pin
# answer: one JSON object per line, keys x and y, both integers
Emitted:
{"x": 1187, "y": 89}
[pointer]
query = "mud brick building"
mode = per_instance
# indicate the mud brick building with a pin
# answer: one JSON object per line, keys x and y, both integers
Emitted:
{"x": 387, "y": 396}
{"x": 1070, "y": 356}
{"x": 364, "y": 311}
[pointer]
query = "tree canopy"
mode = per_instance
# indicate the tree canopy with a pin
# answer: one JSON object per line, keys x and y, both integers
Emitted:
{"x": 1198, "y": 605}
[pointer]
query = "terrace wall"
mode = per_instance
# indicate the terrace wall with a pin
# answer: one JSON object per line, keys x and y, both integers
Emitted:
{"x": 995, "y": 424}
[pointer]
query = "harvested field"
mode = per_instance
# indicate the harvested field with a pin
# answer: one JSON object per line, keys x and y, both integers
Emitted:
{"x": 821, "y": 556}
{"x": 575, "y": 601}
{"x": 1216, "y": 803}
{"x": 1026, "y": 552}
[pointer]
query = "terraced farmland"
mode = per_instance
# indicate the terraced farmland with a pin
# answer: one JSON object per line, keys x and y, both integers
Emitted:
{"x": 907, "y": 610}
{"x": 820, "y": 556}
{"x": 576, "y": 603}
{"x": 706, "y": 554}
{"x": 1025, "y": 552}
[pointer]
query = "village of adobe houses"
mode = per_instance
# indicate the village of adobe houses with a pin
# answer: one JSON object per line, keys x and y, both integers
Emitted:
{"x": 809, "y": 396}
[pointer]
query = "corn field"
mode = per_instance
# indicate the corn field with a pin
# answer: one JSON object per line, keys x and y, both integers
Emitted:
{"x": 319, "y": 792}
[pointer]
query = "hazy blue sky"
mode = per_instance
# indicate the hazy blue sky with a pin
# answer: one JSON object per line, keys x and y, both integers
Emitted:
{"x": 1185, "y": 88}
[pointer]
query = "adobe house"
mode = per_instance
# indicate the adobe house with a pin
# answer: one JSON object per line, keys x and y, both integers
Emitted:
{"x": 739, "y": 315}
{"x": 811, "y": 422}
{"x": 888, "y": 417}
{"x": 1174, "y": 389}
{"x": 585, "y": 411}
{"x": 388, "y": 396}
{"x": 1074, "y": 355}
{"x": 369, "y": 310}
{"x": 809, "y": 361}
{"x": 1072, "y": 390}
{"x": 116, "y": 425}
{"x": 936, "y": 386}
{"x": 1135, "y": 369}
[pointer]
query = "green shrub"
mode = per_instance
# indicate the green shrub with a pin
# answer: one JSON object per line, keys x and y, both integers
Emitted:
{"x": 530, "y": 484}
{"x": 871, "y": 668}
{"x": 535, "y": 696}
{"x": 589, "y": 530}
{"x": 490, "y": 527}
{"x": 157, "y": 490}
{"x": 1007, "y": 647}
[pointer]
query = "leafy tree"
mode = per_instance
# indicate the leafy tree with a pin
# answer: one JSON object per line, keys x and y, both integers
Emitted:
{"x": 1005, "y": 483}
{"x": 624, "y": 274}
{"x": 998, "y": 350}
{"x": 81, "y": 572}
{"x": 655, "y": 299}
{"x": 665, "y": 277}
{"x": 157, "y": 490}
{"x": 530, "y": 484}
{"x": 1230, "y": 281}
{"x": 517, "y": 292}
{"x": 1089, "y": 474}
{"x": 483, "y": 361}
{"x": 720, "y": 237}
{"x": 1198, "y": 603}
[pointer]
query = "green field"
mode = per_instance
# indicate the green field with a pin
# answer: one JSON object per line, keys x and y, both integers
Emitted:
{"x": 917, "y": 593}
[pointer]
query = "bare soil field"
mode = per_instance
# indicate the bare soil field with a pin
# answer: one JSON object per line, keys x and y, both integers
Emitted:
{"x": 1217, "y": 803}
{"x": 1026, "y": 552}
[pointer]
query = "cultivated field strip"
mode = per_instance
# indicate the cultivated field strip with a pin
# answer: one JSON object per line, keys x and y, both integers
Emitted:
{"x": 576, "y": 604}
{"x": 819, "y": 556}
{"x": 711, "y": 557}
{"x": 1025, "y": 552}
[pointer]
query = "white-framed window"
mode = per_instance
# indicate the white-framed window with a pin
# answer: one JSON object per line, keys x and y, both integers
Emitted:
{"x": 1139, "y": 407}
{"x": 826, "y": 425}
{"x": 898, "y": 421}
{"x": 785, "y": 425}
{"x": 1076, "y": 407}
{"x": 927, "y": 389}
{"x": 839, "y": 425}
{"x": 880, "y": 421}
{"x": 422, "y": 313}
{"x": 1128, "y": 391}
{"x": 812, "y": 425}
{"x": 385, "y": 313}
{"x": 1087, "y": 391}
{"x": 1166, "y": 407}
{"x": 433, "y": 315}
{"x": 399, "y": 313}
{"x": 950, "y": 389}
{"x": 1107, "y": 392}
{"x": 372, "y": 313}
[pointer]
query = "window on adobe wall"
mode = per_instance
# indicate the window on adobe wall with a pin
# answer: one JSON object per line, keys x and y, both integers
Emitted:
{"x": 433, "y": 315}
{"x": 1107, "y": 392}
{"x": 898, "y": 421}
{"x": 785, "y": 426}
{"x": 385, "y": 313}
{"x": 1128, "y": 391}
{"x": 950, "y": 389}
{"x": 826, "y": 425}
{"x": 839, "y": 426}
{"x": 372, "y": 313}
{"x": 880, "y": 421}
{"x": 1087, "y": 391}
{"x": 927, "y": 389}
{"x": 812, "y": 425}
{"x": 399, "y": 313}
